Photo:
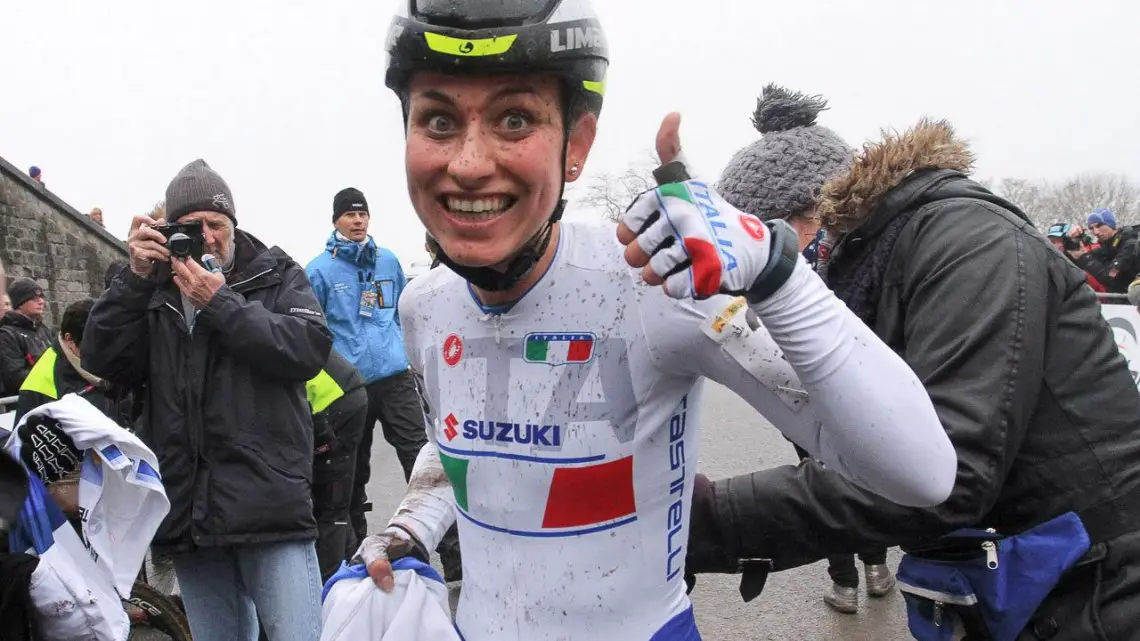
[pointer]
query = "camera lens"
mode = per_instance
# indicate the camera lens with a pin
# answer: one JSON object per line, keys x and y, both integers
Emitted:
{"x": 179, "y": 245}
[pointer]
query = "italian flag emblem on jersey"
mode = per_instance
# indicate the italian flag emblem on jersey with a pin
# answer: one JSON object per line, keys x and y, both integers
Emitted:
{"x": 559, "y": 348}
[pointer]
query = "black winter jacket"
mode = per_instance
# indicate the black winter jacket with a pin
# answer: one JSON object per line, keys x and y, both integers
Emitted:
{"x": 22, "y": 340}
{"x": 1023, "y": 371}
{"x": 225, "y": 410}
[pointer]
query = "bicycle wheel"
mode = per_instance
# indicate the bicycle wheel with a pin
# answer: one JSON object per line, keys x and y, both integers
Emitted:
{"x": 155, "y": 616}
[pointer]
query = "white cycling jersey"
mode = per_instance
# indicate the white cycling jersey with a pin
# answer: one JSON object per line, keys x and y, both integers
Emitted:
{"x": 568, "y": 427}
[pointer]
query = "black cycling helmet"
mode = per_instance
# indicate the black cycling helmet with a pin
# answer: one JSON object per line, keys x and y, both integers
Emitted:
{"x": 483, "y": 37}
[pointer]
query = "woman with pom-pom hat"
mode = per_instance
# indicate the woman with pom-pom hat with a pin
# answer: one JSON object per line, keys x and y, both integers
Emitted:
{"x": 780, "y": 176}
{"x": 1027, "y": 381}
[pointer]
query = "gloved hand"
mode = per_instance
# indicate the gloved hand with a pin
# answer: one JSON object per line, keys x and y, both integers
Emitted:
{"x": 47, "y": 450}
{"x": 324, "y": 439}
{"x": 377, "y": 552}
{"x": 685, "y": 236}
{"x": 708, "y": 552}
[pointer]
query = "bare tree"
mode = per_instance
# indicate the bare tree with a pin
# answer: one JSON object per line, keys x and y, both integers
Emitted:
{"x": 1082, "y": 194}
{"x": 1071, "y": 200}
{"x": 611, "y": 193}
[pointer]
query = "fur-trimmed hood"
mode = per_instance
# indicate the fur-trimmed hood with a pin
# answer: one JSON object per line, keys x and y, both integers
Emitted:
{"x": 847, "y": 200}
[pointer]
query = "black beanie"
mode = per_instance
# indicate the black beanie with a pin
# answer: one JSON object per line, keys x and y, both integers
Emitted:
{"x": 23, "y": 290}
{"x": 346, "y": 200}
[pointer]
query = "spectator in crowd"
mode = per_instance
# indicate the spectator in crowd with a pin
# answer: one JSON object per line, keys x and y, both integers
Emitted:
{"x": 58, "y": 372}
{"x": 358, "y": 283}
{"x": 96, "y": 216}
{"x": 340, "y": 406}
{"x": 37, "y": 175}
{"x": 16, "y": 568}
{"x": 780, "y": 176}
{"x": 1114, "y": 263}
{"x": 225, "y": 357}
{"x": 23, "y": 335}
{"x": 1060, "y": 234}
{"x": 5, "y": 305}
{"x": 1025, "y": 376}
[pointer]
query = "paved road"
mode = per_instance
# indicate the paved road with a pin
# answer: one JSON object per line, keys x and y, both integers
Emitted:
{"x": 735, "y": 441}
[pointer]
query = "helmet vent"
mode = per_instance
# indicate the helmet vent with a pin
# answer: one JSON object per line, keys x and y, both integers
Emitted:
{"x": 483, "y": 14}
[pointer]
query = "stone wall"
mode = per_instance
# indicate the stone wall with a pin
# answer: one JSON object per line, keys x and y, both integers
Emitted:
{"x": 44, "y": 238}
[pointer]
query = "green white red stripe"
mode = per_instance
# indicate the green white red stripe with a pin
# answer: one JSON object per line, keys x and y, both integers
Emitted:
{"x": 559, "y": 348}
{"x": 580, "y": 499}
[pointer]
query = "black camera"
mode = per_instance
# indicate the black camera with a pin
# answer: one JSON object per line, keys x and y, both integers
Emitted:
{"x": 1061, "y": 231}
{"x": 1078, "y": 243}
{"x": 184, "y": 240}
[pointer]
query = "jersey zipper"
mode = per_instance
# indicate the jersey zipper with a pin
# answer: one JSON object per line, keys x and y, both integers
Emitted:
{"x": 497, "y": 321}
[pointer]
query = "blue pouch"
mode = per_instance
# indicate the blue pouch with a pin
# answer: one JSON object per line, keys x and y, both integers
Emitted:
{"x": 986, "y": 585}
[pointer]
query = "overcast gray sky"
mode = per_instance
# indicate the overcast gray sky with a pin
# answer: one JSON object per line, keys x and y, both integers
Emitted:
{"x": 287, "y": 101}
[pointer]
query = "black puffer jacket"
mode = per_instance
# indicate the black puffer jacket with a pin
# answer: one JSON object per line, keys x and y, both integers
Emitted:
{"x": 1024, "y": 373}
{"x": 226, "y": 411}
{"x": 22, "y": 340}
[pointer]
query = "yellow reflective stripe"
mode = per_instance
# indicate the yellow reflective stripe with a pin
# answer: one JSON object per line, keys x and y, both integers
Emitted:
{"x": 322, "y": 391}
{"x": 42, "y": 377}
{"x": 598, "y": 87}
{"x": 473, "y": 48}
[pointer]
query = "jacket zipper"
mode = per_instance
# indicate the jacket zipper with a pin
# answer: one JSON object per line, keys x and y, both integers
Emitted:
{"x": 181, "y": 316}
{"x": 991, "y": 550}
{"x": 250, "y": 279}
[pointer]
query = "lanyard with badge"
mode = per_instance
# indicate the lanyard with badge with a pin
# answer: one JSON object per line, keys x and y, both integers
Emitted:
{"x": 367, "y": 294}
{"x": 375, "y": 294}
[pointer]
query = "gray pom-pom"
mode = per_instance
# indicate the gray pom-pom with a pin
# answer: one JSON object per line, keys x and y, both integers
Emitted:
{"x": 780, "y": 109}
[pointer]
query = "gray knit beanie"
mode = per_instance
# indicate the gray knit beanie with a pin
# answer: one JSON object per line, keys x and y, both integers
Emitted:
{"x": 781, "y": 174}
{"x": 198, "y": 188}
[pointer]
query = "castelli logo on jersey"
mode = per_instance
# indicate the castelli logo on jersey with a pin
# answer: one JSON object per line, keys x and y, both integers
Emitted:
{"x": 754, "y": 226}
{"x": 452, "y": 350}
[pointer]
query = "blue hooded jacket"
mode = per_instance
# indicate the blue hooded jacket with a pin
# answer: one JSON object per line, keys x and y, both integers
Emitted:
{"x": 372, "y": 341}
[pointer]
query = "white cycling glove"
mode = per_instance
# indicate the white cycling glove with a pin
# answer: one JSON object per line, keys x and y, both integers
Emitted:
{"x": 702, "y": 246}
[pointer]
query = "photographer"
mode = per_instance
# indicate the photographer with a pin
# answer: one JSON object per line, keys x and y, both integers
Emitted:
{"x": 1072, "y": 243}
{"x": 1114, "y": 262}
{"x": 225, "y": 355}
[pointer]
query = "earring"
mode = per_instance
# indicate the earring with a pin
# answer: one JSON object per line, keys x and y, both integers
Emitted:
{"x": 574, "y": 170}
